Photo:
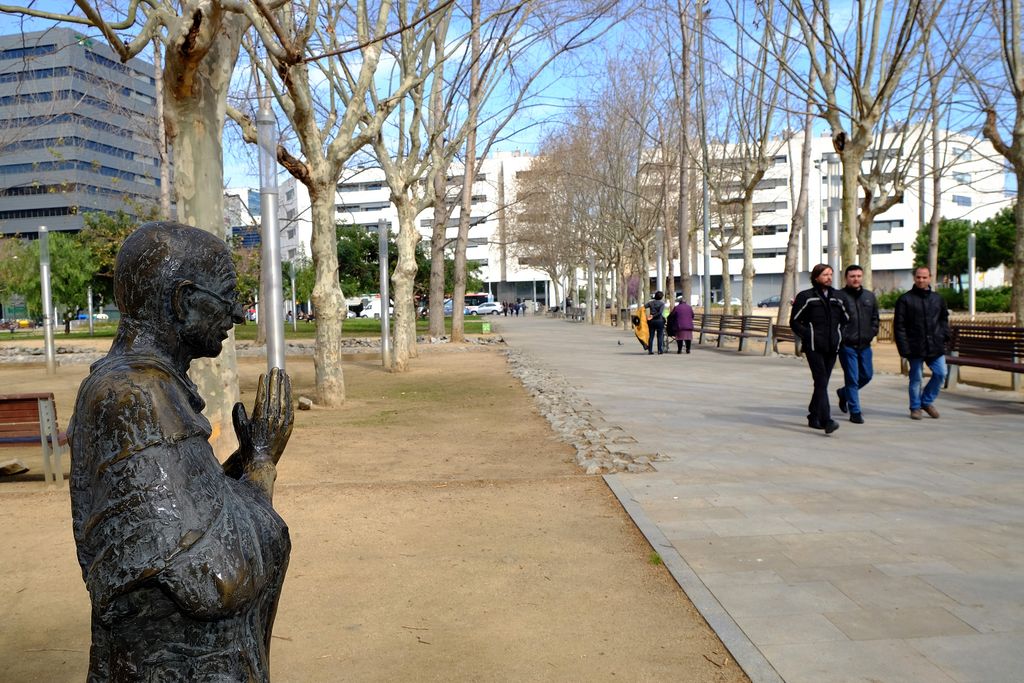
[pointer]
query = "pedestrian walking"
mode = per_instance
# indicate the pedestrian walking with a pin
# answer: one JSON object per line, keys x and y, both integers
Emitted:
{"x": 855, "y": 354}
{"x": 817, "y": 317}
{"x": 656, "y": 322}
{"x": 921, "y": 329}
{"x": 680, "y": 325}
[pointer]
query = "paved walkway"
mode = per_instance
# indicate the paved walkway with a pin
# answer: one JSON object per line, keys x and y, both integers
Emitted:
{"x": 889, "y": 551}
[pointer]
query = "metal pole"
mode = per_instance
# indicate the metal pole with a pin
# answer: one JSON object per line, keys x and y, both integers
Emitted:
{"x": 833, "y": 240}
{"x": 92, "y": 331}
{"x": 972, "y": 266}
{"x": 270, "y": 271}
{"x": 44, "y": 279}
{"x": 295, "y": 310}
{"x": 834, "y": 198}
{"x": 385, "y": 296}
{"x": 659, "y": 250}
{"x": 704, "y": 151}
{"x": 591, "y": 294}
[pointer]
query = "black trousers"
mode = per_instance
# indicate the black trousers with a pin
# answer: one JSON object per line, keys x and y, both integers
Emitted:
{"x": 656, "y": 328}
{"x": 679, "y": 345}
{"x": 821, "y": 364}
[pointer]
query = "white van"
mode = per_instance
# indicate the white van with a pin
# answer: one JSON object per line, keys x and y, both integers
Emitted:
{"x": 371, "y": 309}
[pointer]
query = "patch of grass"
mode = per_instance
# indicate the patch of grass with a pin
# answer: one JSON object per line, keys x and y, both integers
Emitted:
{"x": 353, "y": 327}
{"x": 654, "y": 558}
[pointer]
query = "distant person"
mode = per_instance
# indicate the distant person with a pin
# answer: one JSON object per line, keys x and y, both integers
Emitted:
{"x": 656, "y": 322}
{"x": 817, "y": 318}
{"x": 680, "y": 325}
{"x": 855, "y": 354}
{"x": 921, "y": 329}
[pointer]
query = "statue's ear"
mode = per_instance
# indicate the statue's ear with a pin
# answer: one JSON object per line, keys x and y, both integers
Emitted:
{"x": 181, "y": 299}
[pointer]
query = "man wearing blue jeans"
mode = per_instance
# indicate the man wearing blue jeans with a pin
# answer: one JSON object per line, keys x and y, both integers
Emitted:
{"x": 855, "y": 353}
{"x": 921, "y": 329}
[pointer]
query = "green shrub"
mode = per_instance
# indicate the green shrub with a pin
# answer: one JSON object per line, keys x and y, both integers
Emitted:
{"x": 993, "y": 300}
{"x": 887, "y": 300}
{"x": 955, "y": 301}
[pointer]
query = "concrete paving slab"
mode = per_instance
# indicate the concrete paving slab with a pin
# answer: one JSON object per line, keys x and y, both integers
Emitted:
{"x": 909, "y": 534}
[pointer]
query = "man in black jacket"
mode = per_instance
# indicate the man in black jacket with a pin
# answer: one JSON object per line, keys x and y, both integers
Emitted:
{"x": 921, "y": 328}
{"x": 855, "y": 353}
{"x": 818, "y": 317}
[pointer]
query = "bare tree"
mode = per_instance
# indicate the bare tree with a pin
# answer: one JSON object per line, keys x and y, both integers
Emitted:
{"x": 1001, "y": 96}
{"x": 322, "y": 84}
{"x": 202, "y": 39}
{"x": 866, "y": 60}
{"x": 752, "y": 141}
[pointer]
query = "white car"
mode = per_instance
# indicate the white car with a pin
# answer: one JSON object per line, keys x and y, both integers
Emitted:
{"x": 489, "y": 308}
{"x": 732, "y": 302}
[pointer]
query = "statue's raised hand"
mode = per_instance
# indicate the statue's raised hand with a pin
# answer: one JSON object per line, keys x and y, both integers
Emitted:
{"x": 262, "y": 437}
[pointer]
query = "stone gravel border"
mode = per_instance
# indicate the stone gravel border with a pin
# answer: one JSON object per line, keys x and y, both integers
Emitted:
{"x": 601, "y": 447}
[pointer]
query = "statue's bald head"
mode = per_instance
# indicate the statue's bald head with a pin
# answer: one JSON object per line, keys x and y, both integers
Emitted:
{"x": 159, "y": 256}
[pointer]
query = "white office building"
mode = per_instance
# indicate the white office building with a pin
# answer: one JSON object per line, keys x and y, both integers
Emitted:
{"x": 363, "y": 199}
{"x": 973, "y": 187}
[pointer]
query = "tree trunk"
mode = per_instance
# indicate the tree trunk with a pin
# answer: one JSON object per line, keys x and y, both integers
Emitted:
{"x": 726, "y": 281}
{"x": 402, "y": 281}
{"x": 848, "y": 244}
{"x": 328, "y": 299}
{"x": 789, "y": 284}
{"x": 748, "y": 255}
{"x": 195, "y": 99}
{"x": 1017, "y": 304}
{"x": 437, "y": 240}
{"x": 469, "y": 176}
{"x": 161, "y": 133}
{"x": 441, "y": 212}
{"x": 936, "y": 217}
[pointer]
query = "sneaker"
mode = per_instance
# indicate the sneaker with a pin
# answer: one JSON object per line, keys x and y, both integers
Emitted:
{"x": 932, "y": 413}
{"x": 916, "y": 415}
{"x": 856, "y": 418}
{"x": 831, "y": 426}
{"x": 842, "y": 399}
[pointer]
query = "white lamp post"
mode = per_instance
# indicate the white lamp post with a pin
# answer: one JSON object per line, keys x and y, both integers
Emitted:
{"x": 44, "y": 280}
{"x": 270, "y": 271}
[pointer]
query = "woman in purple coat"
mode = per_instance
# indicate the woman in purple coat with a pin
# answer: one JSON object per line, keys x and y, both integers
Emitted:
{"x": 680, "y": 325}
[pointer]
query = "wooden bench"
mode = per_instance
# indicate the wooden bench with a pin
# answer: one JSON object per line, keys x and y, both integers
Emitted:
{"x": 784, "y": 333}
{"x": 744, "y": 327}
{"x": 32, "y": 418}
{"x": 985, "y": 346}
{"x": 707, "y": 323}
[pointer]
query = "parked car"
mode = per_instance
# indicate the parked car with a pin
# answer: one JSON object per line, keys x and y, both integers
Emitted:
{"x": 770, "y": 302}
{"x": 489, "y": 308}
{"x": 372, "y": 309}
{"x": 732, "y": 302}
{"x": 448, "y": 308}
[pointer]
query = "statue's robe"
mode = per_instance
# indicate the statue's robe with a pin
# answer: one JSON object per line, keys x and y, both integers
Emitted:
{"x": 183, "y": 563}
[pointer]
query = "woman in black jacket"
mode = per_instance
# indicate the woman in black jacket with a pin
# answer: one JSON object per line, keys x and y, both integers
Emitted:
{"x": 818, "y": 317}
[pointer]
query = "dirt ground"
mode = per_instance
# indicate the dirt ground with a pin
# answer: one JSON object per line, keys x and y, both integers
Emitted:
{"x": 440, "y": 532}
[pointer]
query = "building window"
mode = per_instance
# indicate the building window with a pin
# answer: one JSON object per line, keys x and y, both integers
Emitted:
{"x": 963, "y": 178}
{"x": 290, "y": 195}
{"x": 291, "y": 234}
{"x": 962, "y": 154}
{"x": 961, "y": 200}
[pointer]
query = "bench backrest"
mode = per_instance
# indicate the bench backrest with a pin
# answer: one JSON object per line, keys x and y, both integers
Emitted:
{"x": 732, "y": 322}
{"x": 987, "y": 341}
{"x": 19, "y": 415}
{"x": 757, "y": 323}
{"x": 710, "y": 321}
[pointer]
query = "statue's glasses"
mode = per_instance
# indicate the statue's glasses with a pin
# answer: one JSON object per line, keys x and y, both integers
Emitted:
{"x": 233, "y": 306}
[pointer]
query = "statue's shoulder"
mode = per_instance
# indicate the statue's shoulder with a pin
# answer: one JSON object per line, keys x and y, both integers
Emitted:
{"x": 137, "y": 401}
